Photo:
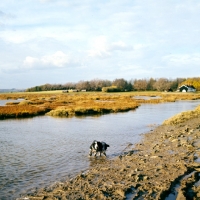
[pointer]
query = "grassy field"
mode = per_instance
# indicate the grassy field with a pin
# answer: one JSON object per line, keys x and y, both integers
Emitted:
{"x": 56, "y": 103}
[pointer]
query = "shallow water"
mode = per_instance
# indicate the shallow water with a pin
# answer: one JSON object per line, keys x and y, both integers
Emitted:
{"x": 3, "y": 102}
{"x": 36, "y": 152}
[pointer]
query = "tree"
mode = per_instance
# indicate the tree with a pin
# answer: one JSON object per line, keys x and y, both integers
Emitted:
{"x": 175, "y": 83}
{"x": 192, "y": 81}
{"x": 162, "y": 84}
{"x": 83, "y": 85}
{"x": 140, "y": 84}
{"x": 150, "y": 84}
{"x": 121, "y": 84}
{"x": 69, "y": 85}
{"x": 97, "y": 84}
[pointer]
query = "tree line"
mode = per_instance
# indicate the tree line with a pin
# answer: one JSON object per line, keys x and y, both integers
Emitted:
{"x": 151, "y": 84}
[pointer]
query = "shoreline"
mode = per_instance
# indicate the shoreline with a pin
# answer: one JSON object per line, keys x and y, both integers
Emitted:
{"x": 166, "y": 161}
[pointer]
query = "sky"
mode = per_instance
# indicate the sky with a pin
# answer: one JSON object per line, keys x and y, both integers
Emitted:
{"x": 61, "y": 41}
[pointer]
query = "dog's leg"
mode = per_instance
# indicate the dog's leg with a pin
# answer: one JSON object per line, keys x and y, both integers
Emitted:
{"x": 90, "y": 153}
{"x": 104, "y": 153}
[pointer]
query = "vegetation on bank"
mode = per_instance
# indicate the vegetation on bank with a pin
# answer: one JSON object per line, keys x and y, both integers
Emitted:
{"x": 82, "y": 103}
{"x": 17, "y": 111}
{"x": 183, "y": 116}
{"x": 160, "y": 84}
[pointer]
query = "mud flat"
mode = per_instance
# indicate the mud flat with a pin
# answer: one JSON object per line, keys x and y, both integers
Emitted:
{"x": 165, "y": 165}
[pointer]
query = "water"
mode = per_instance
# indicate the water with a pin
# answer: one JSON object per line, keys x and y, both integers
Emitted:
{"x": 36, "y": 152}
{"x": 3, "y": 102}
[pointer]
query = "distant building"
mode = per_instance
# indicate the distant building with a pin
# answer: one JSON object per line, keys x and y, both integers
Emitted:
{"x": 187, "y": 88}
{"x": 70, "y": 90}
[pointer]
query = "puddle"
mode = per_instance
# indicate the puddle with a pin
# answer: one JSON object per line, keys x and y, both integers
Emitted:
{"x": 175, "y": 189}
{"x": 147, "y": 97}
{"x": 198, "y": 159}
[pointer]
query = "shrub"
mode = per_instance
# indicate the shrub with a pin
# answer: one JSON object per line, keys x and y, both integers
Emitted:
{"x": 111, "y": 89}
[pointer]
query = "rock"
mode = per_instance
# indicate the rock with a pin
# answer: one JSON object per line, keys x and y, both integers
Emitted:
{"x": 121, "y": 192}
{"x": 198, "y": 194}
{"x": 131, "y": 174}
{"x": 187, "y": 129}
{"x": 197, "y": 169}
{"x": 180, "y": 196}
{"x": 123, "y": 170}
{"x": 154, "y": 157}
{"x": 175, "y": 140}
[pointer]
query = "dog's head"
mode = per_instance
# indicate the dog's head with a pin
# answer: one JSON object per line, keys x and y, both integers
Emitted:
{"x": 94, "y": 145}
{"x": 104, "y": 146}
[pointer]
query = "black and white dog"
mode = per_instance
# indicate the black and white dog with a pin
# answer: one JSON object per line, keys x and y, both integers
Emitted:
{"x": 97, "y": 146}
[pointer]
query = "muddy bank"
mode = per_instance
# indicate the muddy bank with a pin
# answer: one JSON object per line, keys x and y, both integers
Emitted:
{"x": 165, "y": 165}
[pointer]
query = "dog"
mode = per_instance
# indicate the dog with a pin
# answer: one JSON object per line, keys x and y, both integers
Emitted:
{"x": 98, "y": 147}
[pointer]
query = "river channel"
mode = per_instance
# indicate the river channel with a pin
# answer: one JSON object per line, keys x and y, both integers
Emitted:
{"x": 37, "y": 152}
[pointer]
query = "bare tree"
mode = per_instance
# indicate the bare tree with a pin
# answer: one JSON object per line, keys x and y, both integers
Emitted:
{"x": 162, "y": 84}
{"x": 69, "y": 85}
{"x": 140, "y": 84}
{"x": 83, "y": 85}
{"x": 97, "y": 84}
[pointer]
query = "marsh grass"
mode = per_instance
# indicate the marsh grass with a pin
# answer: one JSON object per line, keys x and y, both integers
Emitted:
{"x": 93, "y": 107}
{"x": 21, "y": 111}
{"x": 183, "y": 116}
{"x": 86, "y": 103}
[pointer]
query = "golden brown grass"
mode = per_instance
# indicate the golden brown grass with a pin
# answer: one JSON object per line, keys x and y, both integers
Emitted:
{"x": 20, "y": 111}
{"x": 93, "y": 107}
{"x": 183, "y": 116}
{"x": 69, "y": 104}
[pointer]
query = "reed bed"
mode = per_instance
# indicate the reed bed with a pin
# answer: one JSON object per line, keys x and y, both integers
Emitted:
{"x": 87, "y": 103}
{"x": 93, "y": 107}
{"x": 21, "y": 111}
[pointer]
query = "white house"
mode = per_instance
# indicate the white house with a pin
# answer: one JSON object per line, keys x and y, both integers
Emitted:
{"x": 187, "y": 88}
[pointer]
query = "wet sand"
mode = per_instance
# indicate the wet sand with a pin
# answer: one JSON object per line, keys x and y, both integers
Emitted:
{"x": 165, "y": 165}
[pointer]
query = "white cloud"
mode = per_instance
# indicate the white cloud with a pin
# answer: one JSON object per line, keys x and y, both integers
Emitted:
{"x": 130, "y": 67}
{"x": 30, "y": 62}
{"x": 99, "y": 48}
{"x": 183, "y": 59}
{"x": 16, "y": 37}
{"x": 120, "y": 46}
{"x": 58, "y": 59}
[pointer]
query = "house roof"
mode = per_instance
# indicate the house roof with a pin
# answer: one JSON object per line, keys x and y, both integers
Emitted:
{"x": 188, "y": 86}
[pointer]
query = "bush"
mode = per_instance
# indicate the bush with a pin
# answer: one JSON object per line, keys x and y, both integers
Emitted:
{"x": 111, "y": 89}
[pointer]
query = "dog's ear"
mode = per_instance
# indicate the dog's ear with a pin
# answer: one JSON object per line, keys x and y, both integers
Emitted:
{"x": 94, "y": 142}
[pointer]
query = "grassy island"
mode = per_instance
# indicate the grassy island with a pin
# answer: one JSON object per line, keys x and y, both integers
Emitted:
{"x": 56, "y": 103}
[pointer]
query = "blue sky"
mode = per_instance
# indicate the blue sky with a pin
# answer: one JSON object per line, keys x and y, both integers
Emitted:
{"x": 60, "y": 41}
